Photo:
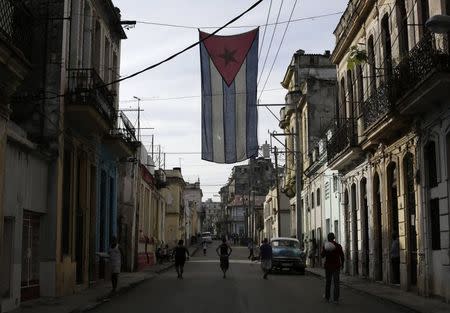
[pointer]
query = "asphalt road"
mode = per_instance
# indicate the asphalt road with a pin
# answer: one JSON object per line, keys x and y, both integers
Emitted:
{"x": 203, "y": 290}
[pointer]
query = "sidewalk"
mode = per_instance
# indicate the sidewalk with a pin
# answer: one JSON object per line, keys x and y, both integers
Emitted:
{"x": 90, "y": 298}
{"x": 392, "y": 294}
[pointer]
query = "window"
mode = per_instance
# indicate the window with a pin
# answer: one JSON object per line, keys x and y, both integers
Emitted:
{"x": 336, "y": 229}
{"x": 327, "y": 226}
{"x": 327, "y": 190}
{"x": 318, "y": 196}
{"x": 430, "y": 161}
{"x": 435, "y": 224}
{"x": 424, "y": 13}
{"x": 342, "y": 113}
{"x": 387, "y": 48}
{"x": 372, "y": 66}
{"x": 360, "y": 86}
{"x": 402, "y": 22}
{"x": 335, "y": 183}
{"x": 312, "y": 199}
{"x": 350, "y": 108}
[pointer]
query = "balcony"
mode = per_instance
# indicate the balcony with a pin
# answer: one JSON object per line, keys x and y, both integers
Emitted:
{"x": 88, "y": 100}
{"x": 422, "y": 78}
{"x": 16, "y": 26}
{"x": 419, "y": 81}
{"x": 342, "y": 147}
{"x": 122, "y": 140}
{"x": 15, "y": 46}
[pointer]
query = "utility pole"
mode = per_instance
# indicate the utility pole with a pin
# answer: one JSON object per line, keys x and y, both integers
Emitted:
{"x": 277, "y": 182}
{"x": 139, "y": 117}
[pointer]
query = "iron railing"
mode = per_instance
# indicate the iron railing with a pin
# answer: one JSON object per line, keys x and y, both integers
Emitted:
{"x": 344, "y": 135}
{"x": 16, "y": 25}
{"x": 430, "y": 55}
{"x": 125, "y": 128}
{"x": 86, "y": 87}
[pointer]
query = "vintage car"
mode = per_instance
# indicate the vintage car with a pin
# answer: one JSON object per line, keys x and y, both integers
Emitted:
{"x": 287, "y": 254}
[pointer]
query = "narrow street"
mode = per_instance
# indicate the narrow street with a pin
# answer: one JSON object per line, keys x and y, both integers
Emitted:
{"x": 244, "y": 291}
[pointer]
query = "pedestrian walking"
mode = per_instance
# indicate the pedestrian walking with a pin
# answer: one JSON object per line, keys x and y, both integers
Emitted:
{"x": 334, "y": 262}
{"x": 205, "y": 247}
{"x": 180, "y": 253}
{"x": 265, "y": 253}
{"x": 395, "y": 258}
{"x": 224, "y": 252}
{"x": 115, "y": 258}
{"x": 251, "y": 248}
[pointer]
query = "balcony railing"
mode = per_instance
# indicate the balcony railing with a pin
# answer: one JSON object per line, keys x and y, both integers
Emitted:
{"x": 87, "y": 88}
{"x": 429, "y": 56}
{"x": 125, "y": 128}
{"x": 344, "y": 136}
{"x": 16, "y": 25}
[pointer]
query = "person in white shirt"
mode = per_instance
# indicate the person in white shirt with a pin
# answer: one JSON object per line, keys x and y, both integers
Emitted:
{"x": 115, "y": 258}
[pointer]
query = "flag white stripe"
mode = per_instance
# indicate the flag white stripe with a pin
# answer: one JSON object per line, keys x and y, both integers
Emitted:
{"x": 217, "y": 114}
{"x": 241, "y": 112}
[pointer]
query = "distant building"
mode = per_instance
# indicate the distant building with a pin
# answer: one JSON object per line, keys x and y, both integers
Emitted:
{"x": 193, "y": 203}
{"x": 212, "y": 212}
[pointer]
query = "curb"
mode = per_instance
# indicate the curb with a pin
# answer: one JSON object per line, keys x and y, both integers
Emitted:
{"x": 348, "y": 285}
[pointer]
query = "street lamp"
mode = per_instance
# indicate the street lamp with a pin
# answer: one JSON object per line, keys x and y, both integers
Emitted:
{"x": 439, "y": 24}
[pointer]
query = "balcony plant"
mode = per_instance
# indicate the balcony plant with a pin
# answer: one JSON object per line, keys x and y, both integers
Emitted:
{"x": 356, "y": 57}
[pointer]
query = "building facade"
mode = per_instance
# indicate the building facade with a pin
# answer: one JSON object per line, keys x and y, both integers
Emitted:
{"x": 174, "y": 224}
{"x": 64, "y": 173}
{"x": 390, "y": 147}
{"x": 276, "y": 224}
{"x": 193, "y": 204}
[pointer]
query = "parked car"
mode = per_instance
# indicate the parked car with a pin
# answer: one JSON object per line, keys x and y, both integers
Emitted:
{"x": 287, "y": 254}
{"x": 206, "y": 236}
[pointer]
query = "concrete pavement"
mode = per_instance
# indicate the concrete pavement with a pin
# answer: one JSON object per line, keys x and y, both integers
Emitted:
{"x": 393, "y": 294}
{"x": 90, "y": 298}
{"x": 203, "y": 290}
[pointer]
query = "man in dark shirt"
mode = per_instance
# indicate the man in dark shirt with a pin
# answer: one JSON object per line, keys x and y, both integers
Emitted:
{"x": 334, "y": 262}
{"x": 180, "y": 253}
{"x": 224, "y": 252}
{"x": 266, "y": 257}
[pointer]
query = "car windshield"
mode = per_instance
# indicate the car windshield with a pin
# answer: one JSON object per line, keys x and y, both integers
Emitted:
{"x": 206, "y": 234}
{"x": 285, "y": 243}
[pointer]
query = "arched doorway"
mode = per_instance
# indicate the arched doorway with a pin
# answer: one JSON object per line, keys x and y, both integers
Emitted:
{"x": 378, "y": 230}
{"x": 354, "y": 222}
{"x": 347, "y": 231}
{"x": 392, "y": 184}
{"x": 364, "y": 226}
{"x": 410, "y": 206}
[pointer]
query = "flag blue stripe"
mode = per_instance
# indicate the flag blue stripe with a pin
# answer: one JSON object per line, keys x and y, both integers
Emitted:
{"x": 207, "y": 142}
{"x": 252, "y": 113}
{"x": 229, "y": 118}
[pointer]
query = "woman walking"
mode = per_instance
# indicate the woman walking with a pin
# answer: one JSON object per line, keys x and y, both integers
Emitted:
{"x": 224, "y": 252}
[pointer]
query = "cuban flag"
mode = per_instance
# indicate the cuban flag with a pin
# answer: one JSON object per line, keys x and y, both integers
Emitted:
{"x": 229, "y": 66}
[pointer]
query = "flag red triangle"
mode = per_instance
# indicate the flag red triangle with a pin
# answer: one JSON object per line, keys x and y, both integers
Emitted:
{"x": 229, "y": 52}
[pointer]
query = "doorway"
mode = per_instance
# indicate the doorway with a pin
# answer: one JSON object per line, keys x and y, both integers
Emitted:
{"x": 30, "y": 256}
{"x": 378, "y": 240}
{"x": 365, "y": 226}
{"x": 354, "y": 223}
{"x": 410, "y": 205}
{"x": 347, "y": 231}
{"x": 393, "y": 207}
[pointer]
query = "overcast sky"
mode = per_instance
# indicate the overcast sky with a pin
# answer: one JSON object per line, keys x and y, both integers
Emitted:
{"x": 176, "y": 122}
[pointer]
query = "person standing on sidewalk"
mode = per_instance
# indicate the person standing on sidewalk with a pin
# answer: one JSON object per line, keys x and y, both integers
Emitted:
{"x": 334, "y": 262}
{"x": 265, "y": 253}
{"x": 251, "y": 247}
{"x": 180, "y": 253}
{"x": 115, "y": 258}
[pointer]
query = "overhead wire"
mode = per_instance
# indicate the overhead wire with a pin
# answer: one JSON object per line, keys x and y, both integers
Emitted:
{"x": 265, "y": 29}
{"x": 240, "y": 26}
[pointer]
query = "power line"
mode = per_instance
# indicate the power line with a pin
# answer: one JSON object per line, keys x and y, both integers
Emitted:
{"x": 186, "y": 97}
{"x": 265, "y": 29}
{"x": 270, "y": 43}
{"x": 240, "y": 26}
{"x": 168, "y": 58}
{"x": 278, "y": 50}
